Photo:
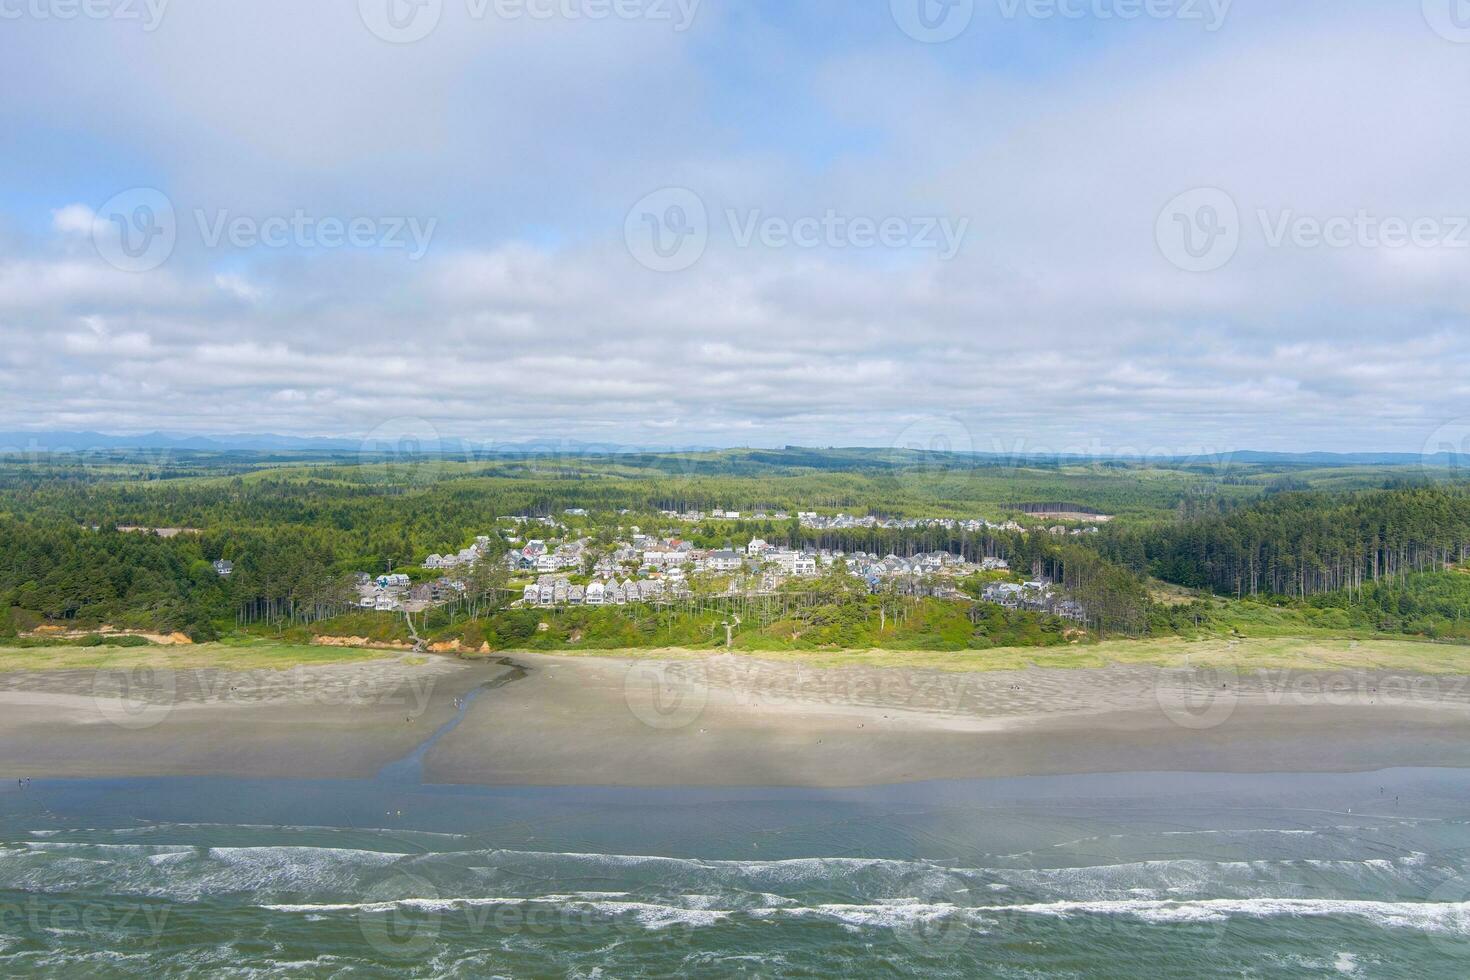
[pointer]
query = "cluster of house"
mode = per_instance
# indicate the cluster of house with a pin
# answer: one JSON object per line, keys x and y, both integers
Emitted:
{"x": 662, "y": 567}
{"x": 464, "y": 558}
{"x": 1037, "y": 595}
{"x": 830, "y": 522}
{"x": 1059, "y": 530}
{"x": 397, "y": 593}
{"x": 538, "y": 556}
{"x": 720, "y": 514}
{"x": 557, "y": 590}
{"x": 841, "y": 521}
{"x": 648, "y": 568}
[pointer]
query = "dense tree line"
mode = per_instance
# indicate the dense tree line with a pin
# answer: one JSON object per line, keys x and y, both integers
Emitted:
{"x": 1303, "y": 543}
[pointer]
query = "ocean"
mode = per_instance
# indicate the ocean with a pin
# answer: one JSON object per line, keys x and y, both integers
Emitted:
{"x": 1124, "y": 875}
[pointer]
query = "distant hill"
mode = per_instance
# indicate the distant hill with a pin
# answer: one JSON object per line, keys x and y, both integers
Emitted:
{"x": 42, "y": 441}
{"x": 36, "y": 441}
{"x": 61, "y": 441}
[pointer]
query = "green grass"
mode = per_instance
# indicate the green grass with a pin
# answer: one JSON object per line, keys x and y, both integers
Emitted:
{"x": 1280, "y": 653}
{"x": 233, "y": 654}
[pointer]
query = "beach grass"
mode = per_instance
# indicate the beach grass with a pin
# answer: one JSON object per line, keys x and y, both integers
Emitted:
{"x": 232, "y": 654}
{"x": 1264, "y": 653}
{"x": 1242, "y": 654}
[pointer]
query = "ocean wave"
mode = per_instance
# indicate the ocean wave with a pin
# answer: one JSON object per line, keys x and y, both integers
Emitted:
{"x": 1442, "y": 917}
{"x": 651, "y": 915}
{"x": 1451, "y": 917}
{"x": 299, "y": 874}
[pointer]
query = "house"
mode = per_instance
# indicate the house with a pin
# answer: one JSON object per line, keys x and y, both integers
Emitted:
{"x": 723, "y": 561}
{"x": 594, "y": 594}
{"x": 576, "y": 595}
{"x": 531, "y": 595}
{"x": 663, "y": 558}
{"x": 1071, "y": 609}
{"x": 757, "y": 547}
{"x": 1006, "y": 594}
{"x": 223, "y": 568}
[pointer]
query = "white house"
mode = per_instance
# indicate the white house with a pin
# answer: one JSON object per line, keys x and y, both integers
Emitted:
{"x": 723, "y": 561}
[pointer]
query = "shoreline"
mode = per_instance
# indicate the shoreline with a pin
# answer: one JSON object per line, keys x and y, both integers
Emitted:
{"x": 719, "y": 720}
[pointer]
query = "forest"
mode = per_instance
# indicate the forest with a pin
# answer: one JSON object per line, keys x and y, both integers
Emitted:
{"x": 1366, "y": 547}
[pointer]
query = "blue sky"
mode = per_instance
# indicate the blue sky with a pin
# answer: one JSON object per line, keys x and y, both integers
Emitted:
{"x": 866, "y": 237}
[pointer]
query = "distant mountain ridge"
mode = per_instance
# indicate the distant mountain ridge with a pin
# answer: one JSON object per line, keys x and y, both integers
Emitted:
{"x": 40, "y": 441}
{"x": 64, "y": 441}
{"x": 60, "y": 441}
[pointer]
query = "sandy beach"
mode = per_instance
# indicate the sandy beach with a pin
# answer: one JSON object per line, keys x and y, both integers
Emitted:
{"x": 320, "y": 721}
{"x": 720, "y": 720}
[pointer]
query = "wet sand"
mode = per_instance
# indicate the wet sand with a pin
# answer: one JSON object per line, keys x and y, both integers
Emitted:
{"x": 723, "y": 720}
{"x": 738, "y": 721}
{"x": 322, "y": 721}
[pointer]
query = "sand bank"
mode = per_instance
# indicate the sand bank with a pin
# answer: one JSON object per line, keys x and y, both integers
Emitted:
{"x": 724, "y": 720}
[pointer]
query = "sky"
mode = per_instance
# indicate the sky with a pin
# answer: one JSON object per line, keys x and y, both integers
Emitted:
{"x": 1106, "y": 226}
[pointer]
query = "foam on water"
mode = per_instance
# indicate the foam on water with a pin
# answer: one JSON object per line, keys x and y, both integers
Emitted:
{"x": 1441, "y": 917}
{"x": 193, "y": 872}
{"x": 520, "y": 883}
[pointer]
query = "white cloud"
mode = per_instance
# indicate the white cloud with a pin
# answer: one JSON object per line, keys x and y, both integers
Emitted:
{"x": 1059, "y": 324}
{"x": 74, "y": 219}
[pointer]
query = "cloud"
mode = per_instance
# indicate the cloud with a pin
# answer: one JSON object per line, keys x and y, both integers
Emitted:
{"x": 1059, "y": 323}
{"x": 74, "y": 219}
